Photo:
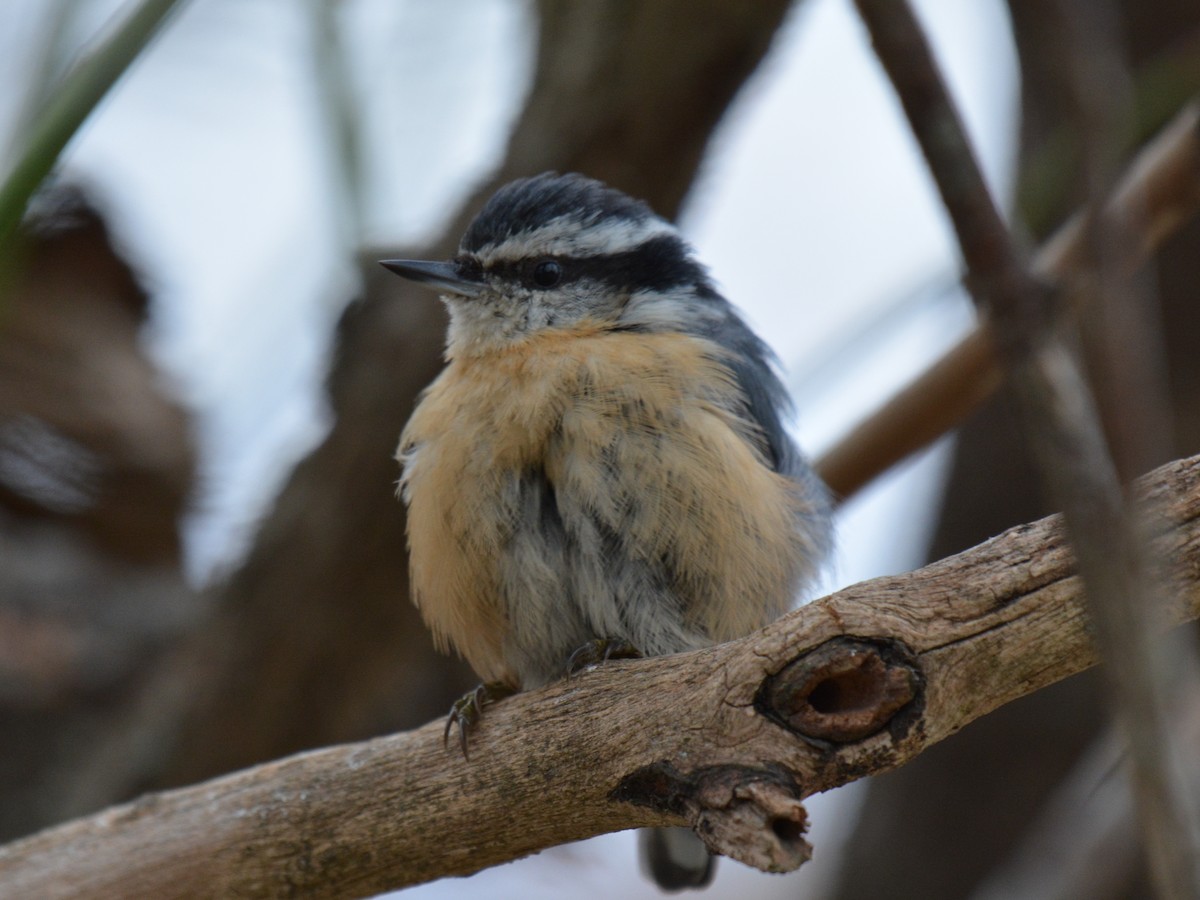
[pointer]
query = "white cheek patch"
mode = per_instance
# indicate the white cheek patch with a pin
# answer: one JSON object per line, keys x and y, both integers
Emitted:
{"x": 478, "y": 325}
{"x": 567, "y": 236}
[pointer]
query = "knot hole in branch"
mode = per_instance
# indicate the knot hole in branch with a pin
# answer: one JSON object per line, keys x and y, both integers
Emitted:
{"x": 842, "y": 691}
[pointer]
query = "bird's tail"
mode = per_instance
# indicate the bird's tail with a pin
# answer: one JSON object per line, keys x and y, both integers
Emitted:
{"x": 675, "y": 858}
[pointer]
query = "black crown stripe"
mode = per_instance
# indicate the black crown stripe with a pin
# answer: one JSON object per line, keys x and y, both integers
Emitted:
{"x": 529, "y": 203}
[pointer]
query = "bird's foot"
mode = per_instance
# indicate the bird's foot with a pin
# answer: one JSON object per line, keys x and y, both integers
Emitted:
{"x": 598, "y": 651}
{"x": 468, "y": 709}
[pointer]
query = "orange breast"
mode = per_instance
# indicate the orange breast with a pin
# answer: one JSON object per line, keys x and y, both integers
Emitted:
{"x": 639, "y": 429}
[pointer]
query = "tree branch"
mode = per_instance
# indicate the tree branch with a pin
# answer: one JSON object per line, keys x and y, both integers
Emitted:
{"x": 729, "y": 740}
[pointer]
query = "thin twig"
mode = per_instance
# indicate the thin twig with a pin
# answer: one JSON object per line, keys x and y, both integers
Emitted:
{"x": 81, "y": 90}
{"x": 1064, "y": 429}
{"x": 1122, "y": 338}
{"x": 334, "y": 88}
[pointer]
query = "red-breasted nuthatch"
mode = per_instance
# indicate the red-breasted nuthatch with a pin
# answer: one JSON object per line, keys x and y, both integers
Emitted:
{"x": 603, "y": 462}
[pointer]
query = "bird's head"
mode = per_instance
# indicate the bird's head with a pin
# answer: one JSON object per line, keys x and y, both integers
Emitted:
{"x": 560, "y": 252}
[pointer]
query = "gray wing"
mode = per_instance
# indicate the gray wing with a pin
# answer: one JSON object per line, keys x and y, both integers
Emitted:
{"x": 767, "y": 401}
{"x": 768, "y": 404}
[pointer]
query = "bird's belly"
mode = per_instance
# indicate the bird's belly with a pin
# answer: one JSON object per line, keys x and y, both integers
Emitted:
{"x": 611, "y": 497}
{"x": 569, "y": 577}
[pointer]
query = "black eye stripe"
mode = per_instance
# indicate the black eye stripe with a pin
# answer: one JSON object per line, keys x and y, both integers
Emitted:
{"x": 469, "y": 267}
{"x": 658, "y": 264}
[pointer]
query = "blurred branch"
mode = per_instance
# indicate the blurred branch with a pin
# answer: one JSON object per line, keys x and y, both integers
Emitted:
{"x": 1161, "y": 86}
{"x": 335, "y": 93}
{"x": 1084, "y": 841}
{"x": 1122, "y": 344}
{"x": 728, "y": 740}
{"x": 97, "y": 466}
{"x": 1069, "y": 447}
{"x": 80, "y": 92}
{"x": 1158, "y": 192}
{"x": 49, "y": 59}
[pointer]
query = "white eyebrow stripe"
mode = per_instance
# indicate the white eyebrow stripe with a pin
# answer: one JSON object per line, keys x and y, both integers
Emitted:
{"x": 565, "y": 236}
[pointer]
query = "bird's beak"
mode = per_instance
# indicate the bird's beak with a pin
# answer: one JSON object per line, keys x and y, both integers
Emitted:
{"x": 442, "y": 276}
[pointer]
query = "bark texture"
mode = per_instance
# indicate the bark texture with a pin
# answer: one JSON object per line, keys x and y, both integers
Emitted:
{"x": 728, "y": 740}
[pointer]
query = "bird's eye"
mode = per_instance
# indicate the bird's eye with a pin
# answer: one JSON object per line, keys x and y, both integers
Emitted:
{"x": 547, "y": 273}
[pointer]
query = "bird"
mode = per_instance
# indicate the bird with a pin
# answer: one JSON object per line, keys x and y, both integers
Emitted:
{"x": 603, "y": 466}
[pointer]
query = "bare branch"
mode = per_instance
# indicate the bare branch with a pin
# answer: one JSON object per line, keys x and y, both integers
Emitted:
{"x": 1069, "y": 446}
{"x": 729, "y": 740}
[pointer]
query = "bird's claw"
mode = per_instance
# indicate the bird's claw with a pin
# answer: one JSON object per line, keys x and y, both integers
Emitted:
{"x": 468, "y": 709}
